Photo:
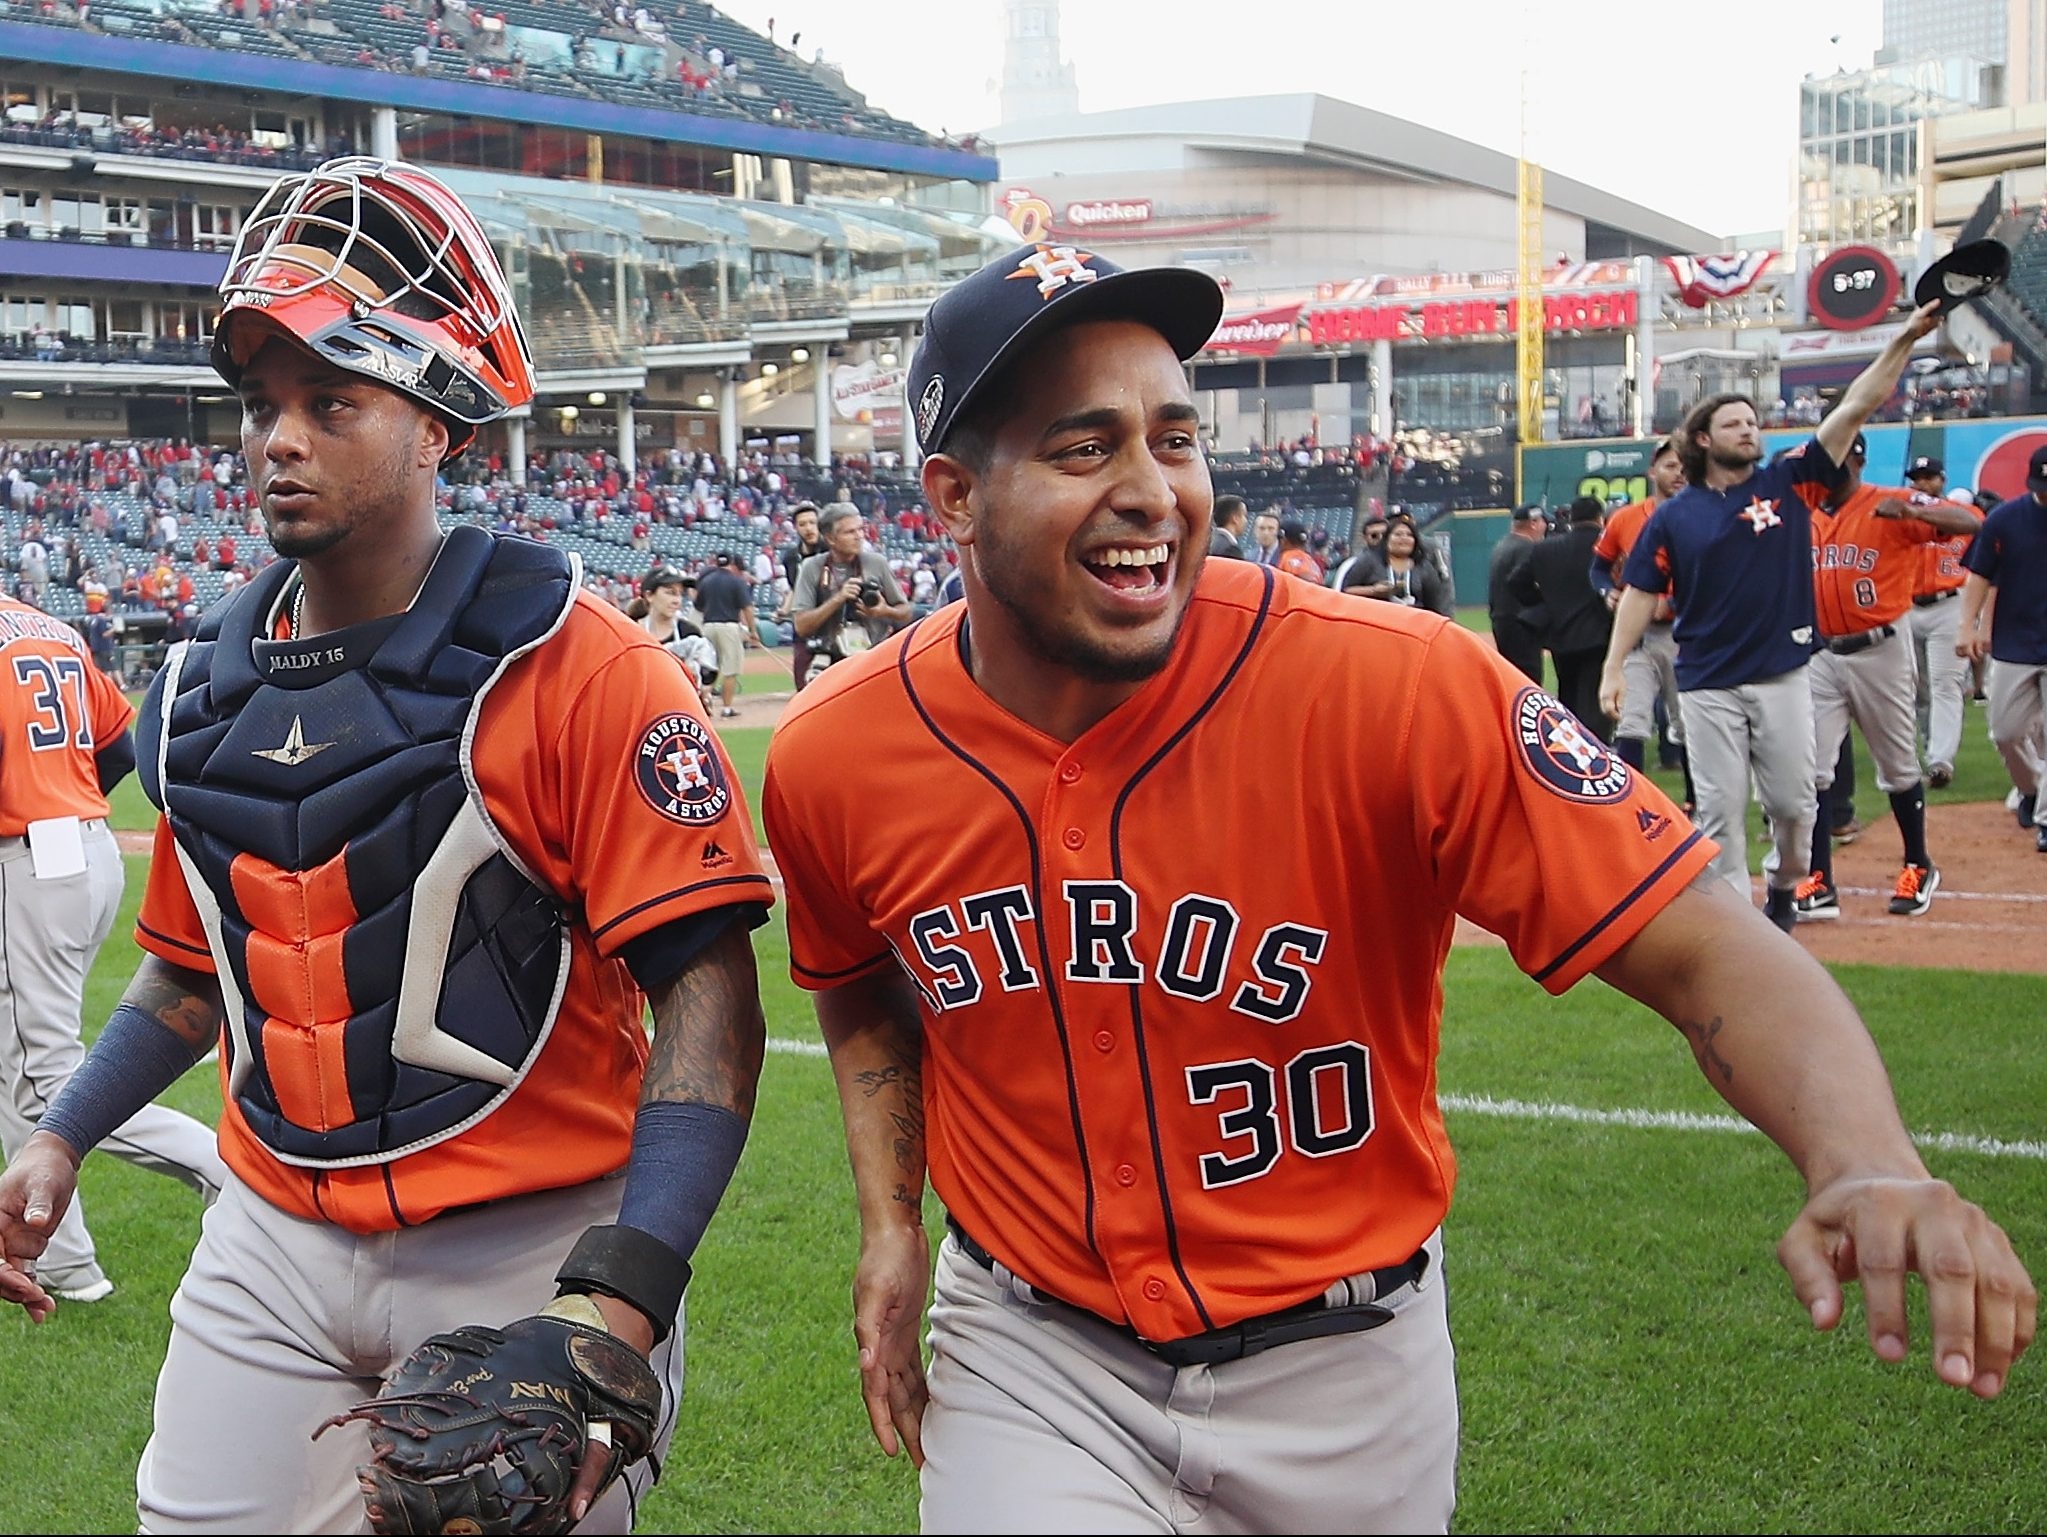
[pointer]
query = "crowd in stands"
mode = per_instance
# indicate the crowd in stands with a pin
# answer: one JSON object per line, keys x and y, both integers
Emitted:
{"x": 133, "y": 540}
{"x": 219, "y": 142}
{"x": 680, "y": 55}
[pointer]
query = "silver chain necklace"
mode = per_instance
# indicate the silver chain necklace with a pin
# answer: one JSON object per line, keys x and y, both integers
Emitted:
{"x": 298, "y": 611}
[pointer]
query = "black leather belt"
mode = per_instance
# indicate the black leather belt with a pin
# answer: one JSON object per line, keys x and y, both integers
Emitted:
{"x": 1861, "y": 640}
{"x": 1310, "y": 1320}
{"x": 1928, "y": 599}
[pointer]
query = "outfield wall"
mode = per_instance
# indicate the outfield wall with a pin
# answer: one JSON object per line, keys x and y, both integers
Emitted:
{"x": 1977, "y": 453}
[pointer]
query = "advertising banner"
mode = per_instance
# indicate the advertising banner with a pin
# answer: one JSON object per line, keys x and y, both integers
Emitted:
{"x": 1979, "y": 455}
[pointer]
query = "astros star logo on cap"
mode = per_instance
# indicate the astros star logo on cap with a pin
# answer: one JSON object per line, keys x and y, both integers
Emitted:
{"x": 1054, "y": 266}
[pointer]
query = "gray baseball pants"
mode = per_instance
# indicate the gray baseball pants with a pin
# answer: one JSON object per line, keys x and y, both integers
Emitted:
{"x": 1943, "y": 677}
{"x": 1044, "y": 1419}
{"x": 2018, "y": 716}
{"x": 281, "y": 1323}
{"x": 50, "y": 933}
{"x": 1762, "y": 731}
{"x": 1648, "y": 670}
{"x": 1872, "y": 687}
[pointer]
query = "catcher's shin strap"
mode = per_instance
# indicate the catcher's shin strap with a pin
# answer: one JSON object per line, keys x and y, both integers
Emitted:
{"x": 1310, "y": 1320}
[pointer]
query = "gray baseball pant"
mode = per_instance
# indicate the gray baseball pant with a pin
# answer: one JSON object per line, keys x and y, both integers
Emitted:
{"x": 1045, "y": 1419}
{"x": 1762, "y": 731}
{"x": 2018, "y": 715}
{"x": 50, "y": 933}
{"x": 1648, "y": 670}
{"x": 281, "y": 1323}
{"x": 1872, "y": 687}
{"x": 1943, "y": 677}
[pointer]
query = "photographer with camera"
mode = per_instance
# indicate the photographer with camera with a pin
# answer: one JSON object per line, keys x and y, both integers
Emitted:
{"x": 846, "y": 599}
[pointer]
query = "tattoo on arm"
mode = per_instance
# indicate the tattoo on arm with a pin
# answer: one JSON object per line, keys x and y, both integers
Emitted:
{"x": 1702, "y": 1037}
{"x": 187, "y": 1003}
{"x": 709, "y": 1033}
{"x": 874, "y": 1081}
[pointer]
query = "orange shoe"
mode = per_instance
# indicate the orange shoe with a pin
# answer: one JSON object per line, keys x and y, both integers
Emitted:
{"x": 1914, "y": 892}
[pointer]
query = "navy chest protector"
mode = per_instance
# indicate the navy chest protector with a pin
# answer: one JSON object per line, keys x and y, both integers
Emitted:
{"x": 341, "y": 821}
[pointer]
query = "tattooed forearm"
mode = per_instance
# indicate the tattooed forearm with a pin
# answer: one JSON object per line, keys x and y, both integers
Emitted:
{"x": 709, "y": 1033}
{"x": 187, "y": 1003}
{"x": 1702, "y": 1037}
{"x": 872, "y": 1083}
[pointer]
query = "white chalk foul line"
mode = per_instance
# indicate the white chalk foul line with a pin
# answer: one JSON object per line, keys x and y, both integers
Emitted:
{"x": 1634, "y": 1120}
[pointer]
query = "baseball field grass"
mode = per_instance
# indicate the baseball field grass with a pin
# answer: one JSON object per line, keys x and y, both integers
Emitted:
{"x": 1631, "y": 1358}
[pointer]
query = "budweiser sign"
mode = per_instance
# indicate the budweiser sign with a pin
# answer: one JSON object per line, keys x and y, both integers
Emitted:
{"x": 1259, "y": 334}
{"x": 1108, "y": 211}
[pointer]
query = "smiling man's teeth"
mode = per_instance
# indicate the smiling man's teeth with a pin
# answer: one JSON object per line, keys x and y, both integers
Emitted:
{"x": 1153, "y": 556}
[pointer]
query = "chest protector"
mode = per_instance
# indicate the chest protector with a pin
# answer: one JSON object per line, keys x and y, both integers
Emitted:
{"x": 390, "y": 971}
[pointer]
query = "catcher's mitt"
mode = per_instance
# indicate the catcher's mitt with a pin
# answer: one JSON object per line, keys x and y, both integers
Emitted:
{"x": 485, "y": 1430}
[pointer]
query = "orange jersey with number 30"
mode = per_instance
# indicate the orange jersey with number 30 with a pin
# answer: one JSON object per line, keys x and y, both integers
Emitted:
{"x": 57, "y": 709}
{"x": 1865, "y": 568}
{"x": 1179, "y": 1051}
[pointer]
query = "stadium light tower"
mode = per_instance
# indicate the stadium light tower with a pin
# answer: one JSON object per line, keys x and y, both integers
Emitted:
{"x": 1528, "y": 336}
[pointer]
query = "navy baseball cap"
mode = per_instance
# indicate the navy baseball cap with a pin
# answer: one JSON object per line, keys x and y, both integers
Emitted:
{"x": 984, "y": 322}
{"x": 2036, "y": 471}
{"x": 1924, "y": 465}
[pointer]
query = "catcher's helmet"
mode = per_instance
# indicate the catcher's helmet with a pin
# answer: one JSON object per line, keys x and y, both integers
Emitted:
{"x": 377, "y": 268}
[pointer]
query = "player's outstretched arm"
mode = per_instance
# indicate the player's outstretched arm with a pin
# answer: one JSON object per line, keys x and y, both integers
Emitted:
{"x": 876, "y": 1038}
{"x": 1782, "y": 1044}
{"x": 1630, "y": 621}
{"x": 1873, "y": 386}
{"x": 168, "y": 1019}
{"x": 1972, "y": 631}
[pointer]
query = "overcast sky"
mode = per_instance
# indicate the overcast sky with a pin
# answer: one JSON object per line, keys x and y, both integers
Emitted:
{"x": 1697, "y": 121}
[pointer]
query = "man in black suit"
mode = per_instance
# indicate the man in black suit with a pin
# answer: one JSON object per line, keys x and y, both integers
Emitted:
{"x": 1576, "y": 623}
{"x": 1515, "y": 638}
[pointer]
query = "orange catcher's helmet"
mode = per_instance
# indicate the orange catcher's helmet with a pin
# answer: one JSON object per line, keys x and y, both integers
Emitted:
{"x": 379, "y": 269}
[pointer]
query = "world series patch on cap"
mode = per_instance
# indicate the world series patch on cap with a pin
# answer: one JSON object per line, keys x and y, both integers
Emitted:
{"x": 986, "y": 321}
{"x": 1967, "y": 272}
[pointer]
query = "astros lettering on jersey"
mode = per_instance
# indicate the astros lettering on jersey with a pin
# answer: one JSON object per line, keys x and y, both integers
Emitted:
{"x": 1855, "y": 587}
{"x": 1216, "y": 1078}
{"x": 57, "y": 709}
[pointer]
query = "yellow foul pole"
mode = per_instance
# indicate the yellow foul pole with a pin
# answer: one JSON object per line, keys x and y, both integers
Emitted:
{"x": 1528, "y": 338}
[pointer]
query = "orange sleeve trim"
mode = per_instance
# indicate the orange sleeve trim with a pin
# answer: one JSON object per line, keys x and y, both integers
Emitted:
{"x": 1621, "y": 908}
{"x": 804, "y": 976}
{"x": 760, "y": 881}
{"x": 166, "y": 948}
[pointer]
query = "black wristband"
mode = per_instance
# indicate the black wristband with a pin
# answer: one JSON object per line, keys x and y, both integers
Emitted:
{"x": 634, "y": 1267}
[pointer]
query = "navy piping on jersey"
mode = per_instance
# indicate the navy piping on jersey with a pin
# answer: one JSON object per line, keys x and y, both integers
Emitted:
{"x": 1151, "y": 1113}
{"x": 853, "y": 970}
{"x": 683, "y": 891}
{"x": 1087, "y": 1178}
{"x": 391, "y": 1195}
{"x": 1618, "y": 908}
{"x": 175, "y": 944}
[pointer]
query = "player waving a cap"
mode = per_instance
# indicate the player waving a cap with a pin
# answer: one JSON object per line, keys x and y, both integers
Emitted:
{"x": 1141, "y": 1037}
{"x": 437, "y": 825}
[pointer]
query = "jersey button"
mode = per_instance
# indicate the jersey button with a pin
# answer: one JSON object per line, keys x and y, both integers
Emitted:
{"x": 1155, "y": 1289}
{"x": 1074, "y": 838}
{"x": 1104, "y": 1041}
{"x": 1069, "y": 773}
{"x": 1126, "y": 1175}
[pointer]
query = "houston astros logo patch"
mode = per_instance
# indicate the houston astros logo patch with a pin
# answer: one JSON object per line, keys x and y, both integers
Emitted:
{"x": 1561, "y": 753}
{"x": 680, "y": 773}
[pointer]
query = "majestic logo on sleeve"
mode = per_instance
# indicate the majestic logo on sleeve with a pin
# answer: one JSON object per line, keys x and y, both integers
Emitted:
{"x": 1760, "y": 514}
{"x": 1561, "y": 753}
{"x": 680, "y": 773}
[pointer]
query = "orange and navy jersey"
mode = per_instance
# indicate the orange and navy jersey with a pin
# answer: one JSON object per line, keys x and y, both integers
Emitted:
{"x": 598, "y": 772}
{"x": 1301, "y": 564}
{"x": 1176, "y": 1070}
{"x": 1941, "y": 567}
{"x": 1617, "y": 536}
{"x": 1865, "y": 568}
{"x": 57, "y": 710}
